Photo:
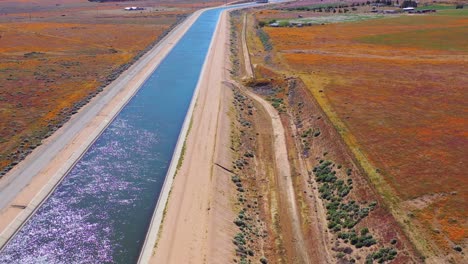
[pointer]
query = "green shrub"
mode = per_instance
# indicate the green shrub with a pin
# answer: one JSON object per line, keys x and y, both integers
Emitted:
{"x": 382, "y": 255}
{"x": 317, "y": 133}
{"x": 265, "y": 39}
{"x": 364, "y": 231}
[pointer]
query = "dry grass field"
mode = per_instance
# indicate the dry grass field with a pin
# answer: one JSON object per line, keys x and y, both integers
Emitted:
{"x": 395, "y": 88}
{"x": 55, "y": 56}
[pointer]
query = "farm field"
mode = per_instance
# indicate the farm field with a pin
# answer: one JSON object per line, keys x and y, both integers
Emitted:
{"x": 55, "y": 57}
{"x": 395, "y": 89}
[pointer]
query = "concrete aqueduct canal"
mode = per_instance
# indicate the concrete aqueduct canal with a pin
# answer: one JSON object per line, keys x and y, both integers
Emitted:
{"x": 101, "y": 211}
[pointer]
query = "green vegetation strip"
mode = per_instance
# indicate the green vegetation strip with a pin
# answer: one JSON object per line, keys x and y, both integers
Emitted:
{"x": 265, "y": 39}
{"x": 436, "y": 7}
{"x": 335, "y": 19}
{"x": 344, "y": 214}
{"x": 248, "y": 220}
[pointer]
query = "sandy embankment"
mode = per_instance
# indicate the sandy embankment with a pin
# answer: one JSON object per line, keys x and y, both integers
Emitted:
{"x": 29, "y": 183}
{"x": 198, "y": 227}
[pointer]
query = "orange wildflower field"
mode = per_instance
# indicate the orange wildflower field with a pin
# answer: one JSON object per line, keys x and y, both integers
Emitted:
{"x": 55, "y": 57}
{"x": 395, "y": 89}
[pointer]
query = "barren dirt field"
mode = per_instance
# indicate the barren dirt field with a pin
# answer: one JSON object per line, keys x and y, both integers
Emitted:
{"x": 55, "y": 56}
{"x": 395, "y": 89}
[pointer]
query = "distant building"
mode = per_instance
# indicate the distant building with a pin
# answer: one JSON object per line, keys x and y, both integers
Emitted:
{"x": 296, "y": 24}
{"x": 408, "y": 9}
{"x": 133, "y": 8}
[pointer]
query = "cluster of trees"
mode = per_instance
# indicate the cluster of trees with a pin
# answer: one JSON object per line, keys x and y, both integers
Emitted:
{"x": 409, "y": 3}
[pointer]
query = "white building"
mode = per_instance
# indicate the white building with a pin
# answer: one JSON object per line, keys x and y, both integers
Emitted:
{"x": 133, "y": 8}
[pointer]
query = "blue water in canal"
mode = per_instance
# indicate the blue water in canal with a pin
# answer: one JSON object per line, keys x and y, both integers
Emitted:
{"x": 101, "y": 211}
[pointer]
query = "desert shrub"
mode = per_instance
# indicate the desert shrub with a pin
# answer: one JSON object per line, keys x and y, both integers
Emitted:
{"x": 364, "y": 231}
{"x": 382, "y": 255}
{"x": 249, "y": 155}
{"x": 239, "y": 223}
{"x": 359, "y": 241}
{"x": 307, "y": 133}
{"x": 239, "y": 239}
{"x": 235, "y": 179}
{"x": 276, "y": 102}
{"x": 317, "y": 133}
{"x": 265, "y": 39}
{"x": 341, "y": 214}
{"x": 457, "y": 248}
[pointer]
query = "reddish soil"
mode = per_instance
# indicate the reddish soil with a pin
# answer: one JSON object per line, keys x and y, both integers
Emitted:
{"x": 300, "y": 112}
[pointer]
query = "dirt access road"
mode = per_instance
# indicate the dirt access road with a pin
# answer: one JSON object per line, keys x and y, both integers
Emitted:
{"x": 283, "y": 171}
